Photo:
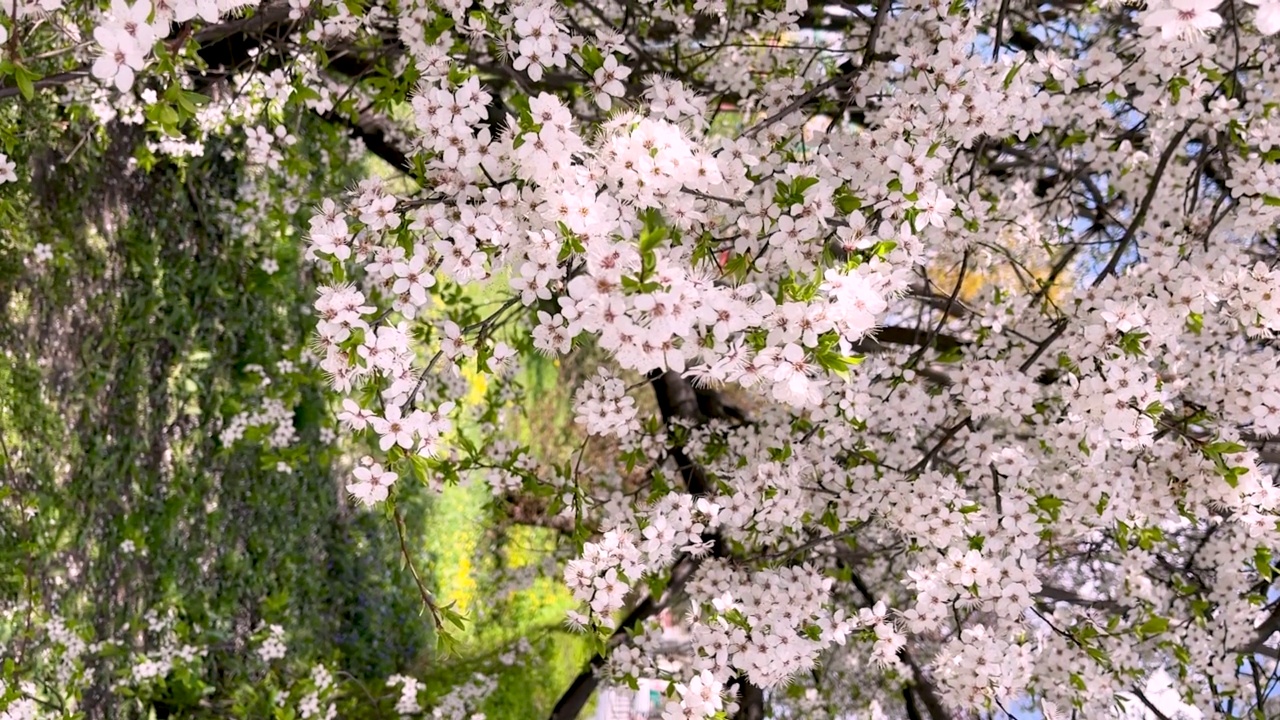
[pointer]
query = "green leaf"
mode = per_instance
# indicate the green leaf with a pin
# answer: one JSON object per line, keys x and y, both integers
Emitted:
{"x": 193, "y": 99}
{"x": 420, "y": 467}
{"x": 442, "y": 24}
{"x": 1153, "y": 626}
{"x": 657, "y": 585}
{"x": 830, "y": 520}
{"x": 1262, "y": 561}
{"x": 801, "y": 184}
{"x": 1075, "y": 137}
{"x": 467, "y": 445}
{"x": 951, "y": 355}
{"x": 592, "y": 58}
{"x": 1148, "y": 537}
{"x": 446, "y": 642}
{"x": 454, "y": 617}
{"x": 1223, "y": 447}
{"x": 846, "y": 201}
{"x": 738, "y": 267}
{"x": 655, "y": 231}
{"x": 1131, "y": 343}
{"x": 25, "y": 80}
{"x": 1182, "y": 654}
{"x": 1013, "y": 73}
{"x": 1098, "y": 655}
{"x": 1049, "y": 504}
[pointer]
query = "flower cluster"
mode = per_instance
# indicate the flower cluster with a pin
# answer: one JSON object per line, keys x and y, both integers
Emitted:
{"x": 601, "y": 577}
{"x": 603, "y": 406}
{"x": 129, "y": 30}
{"x": 409, "y": 689}
{"x": 768, "y": 625}
{"x": 323, "y": 685}
{"x": 273, "y": 647}
{"x": 273, "y": 418}
{"x": 539, "y": 41}
{"x": 373, "y": 482}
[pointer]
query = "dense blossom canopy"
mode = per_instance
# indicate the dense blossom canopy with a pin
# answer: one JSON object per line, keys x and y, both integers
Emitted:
{"x": 959, "y": 317}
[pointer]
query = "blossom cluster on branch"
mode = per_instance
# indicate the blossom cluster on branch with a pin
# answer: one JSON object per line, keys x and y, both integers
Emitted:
{"x": 993, "y": 286}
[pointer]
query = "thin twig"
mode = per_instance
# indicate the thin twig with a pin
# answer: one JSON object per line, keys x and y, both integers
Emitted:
{"x": 950, "y": 433}
{"x": 868, "y": 54}
{"x": 1144, "y": 207}
{"x": 1004, "y": 10}
{"x": 1154, "y": 710}
{"x": 946, "y": 311}
{"x": 427, "y": 598}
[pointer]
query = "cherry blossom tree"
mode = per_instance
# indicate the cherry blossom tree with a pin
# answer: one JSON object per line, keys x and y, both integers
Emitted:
{"x": 933, "y": 369}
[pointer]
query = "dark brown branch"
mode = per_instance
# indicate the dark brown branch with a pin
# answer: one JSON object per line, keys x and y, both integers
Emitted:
{"x": 949, "y": 307}
{"x": 532, "y": 510}
{"x": 267, "y": 18}
{"x": 947, "y": 436}
{"x": 1055, "y": 594}
{"x": 928, "y": 693}
{"x": 51, "y": 81}
{"x": 907, "y": 336}
{"x": 1268, "y": 627}
{"x": 575, "y": 698}
{"x": 750, "y": 701}
{"x": 909, "y": 700}
{"x": 843, "y": 79}
{"x": 1143, "y": 207}
{"x": 921, "y": 685}
{"x": 223, "y": 45}
{"x": 676, "y": 399}
{"x": 1154, "y": 710}
{"x": 946, "y": 310}
{"x": 375, "y": 132}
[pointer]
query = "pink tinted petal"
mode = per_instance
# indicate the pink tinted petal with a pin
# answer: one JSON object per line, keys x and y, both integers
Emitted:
{"x": 1268, "y": 19}
{"x": 105, "y": 67}
{"x": 124, "y": 79}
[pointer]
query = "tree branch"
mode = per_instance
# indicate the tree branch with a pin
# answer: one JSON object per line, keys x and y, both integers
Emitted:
{"x": 575, "y": 698}
{"x": 1144, "y": 207}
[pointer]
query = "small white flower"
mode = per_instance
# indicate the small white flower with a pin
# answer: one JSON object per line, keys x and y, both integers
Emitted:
{"x": 1184, "y": 19}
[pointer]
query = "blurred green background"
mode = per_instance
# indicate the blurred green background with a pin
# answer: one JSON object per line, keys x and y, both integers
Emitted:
{"x": 123, "y": 357}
